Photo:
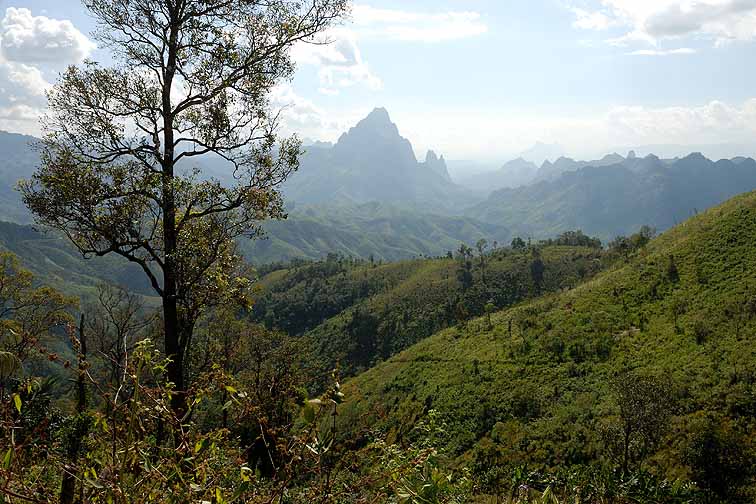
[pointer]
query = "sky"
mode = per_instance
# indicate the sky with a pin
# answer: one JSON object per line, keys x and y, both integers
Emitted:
{"x": 473, "y": 79}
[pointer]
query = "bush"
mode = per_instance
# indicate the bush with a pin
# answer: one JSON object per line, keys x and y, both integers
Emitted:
{"x": 722, "y": 463}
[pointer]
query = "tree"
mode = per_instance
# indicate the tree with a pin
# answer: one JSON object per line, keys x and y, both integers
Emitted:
{"x": 482, "y": 246}
{"x": 363, "y": 331}
{"x": 490, "y": 308}
{"x": 644, "y": 236}
{"x": 537, "y": 269}
{"x": 622, "y": 246}
{"x": 464, "y": 270}
{"x": 27, "y": 315}
{"x": 672, "y": 272}
{"x": 518, "y": 243}
{"x": 115, "y": 322}
{"x": 645, "y": 406}
{"x": 191, "y": 78}
{"x": 722, "y": 462}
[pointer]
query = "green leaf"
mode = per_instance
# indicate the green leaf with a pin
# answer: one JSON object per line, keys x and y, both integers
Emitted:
{"x": 9, "y": 364}
{"x": 8, "y": 457}
{"x": 309, "y": 414}
{"x": 17, "y": 402}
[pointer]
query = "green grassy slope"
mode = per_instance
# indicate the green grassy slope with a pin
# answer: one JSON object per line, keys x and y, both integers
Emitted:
{"x": 541, "y": 394}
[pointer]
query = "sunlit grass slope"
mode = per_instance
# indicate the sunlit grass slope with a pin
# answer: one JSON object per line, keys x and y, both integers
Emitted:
{"x": 535, "y": 384}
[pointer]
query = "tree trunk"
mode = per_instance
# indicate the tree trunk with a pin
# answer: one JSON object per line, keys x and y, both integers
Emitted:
{"x": 173, "y": 347}
{"x": 68, "y": 485}
{"x": 174, "y": 351}
{"x": 626, "y": 460}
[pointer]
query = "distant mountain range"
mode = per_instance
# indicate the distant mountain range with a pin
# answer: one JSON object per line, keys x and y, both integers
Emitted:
{"x": 607, "y": 200}
{"x": 367, "y": 194}
{"x": 520, "y": 172}
{"x": 515, "y": 173}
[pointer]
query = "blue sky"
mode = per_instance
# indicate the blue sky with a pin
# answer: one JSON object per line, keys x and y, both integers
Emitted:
{"x": 476, "y": 79}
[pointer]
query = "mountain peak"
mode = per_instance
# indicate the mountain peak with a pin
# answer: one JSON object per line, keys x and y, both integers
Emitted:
{"x": 377, "y": 123}
{"x": 437, "y": 164}
{"x": 374, "y": 130}
{"x": 695, "y": 156}
{"x": 378, "y": 115}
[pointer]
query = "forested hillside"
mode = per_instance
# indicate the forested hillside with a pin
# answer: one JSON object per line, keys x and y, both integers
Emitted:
{"x": 57, "y": 263}
{"x": 358, "y": 313}
{"x": 649, "y": 366}
{"x": 379, "y": 230}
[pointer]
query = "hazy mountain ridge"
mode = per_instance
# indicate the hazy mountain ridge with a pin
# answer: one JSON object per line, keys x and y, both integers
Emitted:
{"x": 340, "y": 224}
{"x": 515, "y": 173}
{"x": 617, "y": 199}
{"x": 368, "y": 194}
{"x": 17, "y": 160}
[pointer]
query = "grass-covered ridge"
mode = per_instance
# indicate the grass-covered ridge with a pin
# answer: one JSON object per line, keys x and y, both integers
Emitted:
{"x": 682, "y": 312}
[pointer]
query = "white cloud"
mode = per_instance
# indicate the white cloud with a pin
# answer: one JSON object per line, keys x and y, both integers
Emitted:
{"x": 338, "y": 56}
{"x": 22, "y": 96}
{"x": 340, "y": 63}
{"x": 652, "y": 21}
{"x": 419, "y": 26}
{"x": 714, "y": 122}
{"x": 20, "y": 119}
{"x": 586, "y": 20}
{"x": 30, "y": 46}
{"x": 301, "y": 116}
{"x": 661, "y": 52}
{"x": 20, "y": 82}
{"x": 38, "y": 39}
